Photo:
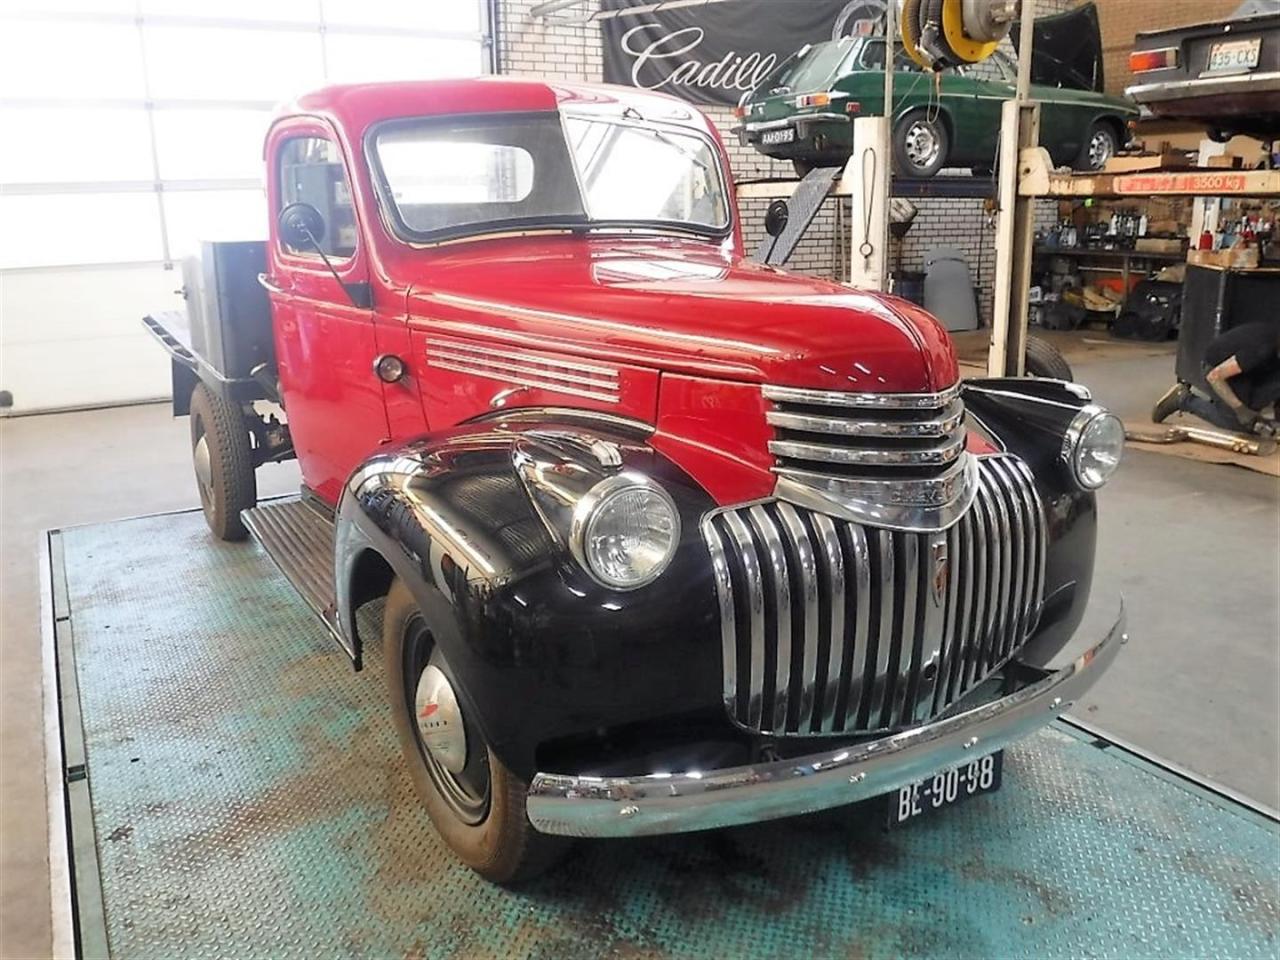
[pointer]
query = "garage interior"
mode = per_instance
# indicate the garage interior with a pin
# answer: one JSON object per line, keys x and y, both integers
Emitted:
{"x": 1161, "y": 786}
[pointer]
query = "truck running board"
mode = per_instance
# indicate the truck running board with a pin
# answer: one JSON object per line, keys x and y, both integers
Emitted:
{"x": 298, "y": 538}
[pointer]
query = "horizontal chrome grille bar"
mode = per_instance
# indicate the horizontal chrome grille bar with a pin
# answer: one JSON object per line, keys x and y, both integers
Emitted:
{"x": 940, "y": 426}
{"x": 832, "y": 627}
{"x": 894, "y": 458}
{"x": 936, "y": 455}
{"x": 883, "y": 401}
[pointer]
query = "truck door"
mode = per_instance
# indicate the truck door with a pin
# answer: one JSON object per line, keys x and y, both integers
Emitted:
{"x": 325, "y": 343}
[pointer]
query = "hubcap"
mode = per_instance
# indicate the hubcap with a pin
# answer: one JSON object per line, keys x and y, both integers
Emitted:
{"x": 204, "y": 467}
{"x": 456, "y": 758}
{"x": 1099, "y": 149}
{"x": 921, "y": 144}
{"x": 439, "y": 720}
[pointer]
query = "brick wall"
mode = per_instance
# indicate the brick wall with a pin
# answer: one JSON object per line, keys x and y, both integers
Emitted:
{"x": 559, "y": 50}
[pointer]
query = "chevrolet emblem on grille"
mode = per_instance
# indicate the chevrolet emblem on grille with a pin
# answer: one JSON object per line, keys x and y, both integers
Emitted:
{"x": 941, "y": 571}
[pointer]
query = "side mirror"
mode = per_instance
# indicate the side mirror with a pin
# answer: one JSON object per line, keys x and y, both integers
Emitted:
{"x": 301, "y": 226}
{"x": 775, "y": 218}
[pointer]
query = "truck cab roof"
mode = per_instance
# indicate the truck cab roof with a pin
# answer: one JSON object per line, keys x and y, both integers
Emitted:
{"x": 356, "y": 107}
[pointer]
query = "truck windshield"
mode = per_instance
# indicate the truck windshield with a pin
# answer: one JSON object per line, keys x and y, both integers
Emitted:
{"x": 463, "y": 176}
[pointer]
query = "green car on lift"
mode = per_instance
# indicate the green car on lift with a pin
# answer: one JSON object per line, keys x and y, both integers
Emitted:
{"x": 802, "y": 112}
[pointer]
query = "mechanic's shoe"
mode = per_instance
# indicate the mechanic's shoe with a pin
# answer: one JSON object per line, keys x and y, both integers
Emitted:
{"x": 1265, "y": 427}
{"x": 1169, "y": 404}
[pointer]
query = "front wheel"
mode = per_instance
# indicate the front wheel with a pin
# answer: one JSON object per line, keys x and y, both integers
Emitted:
{"x": 223, "y": 459}
{"x": 475, "y": 803}
{"x": 920, "y": 145}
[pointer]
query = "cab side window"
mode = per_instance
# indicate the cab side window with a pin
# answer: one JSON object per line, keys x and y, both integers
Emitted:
{"x": 311, "y": 171}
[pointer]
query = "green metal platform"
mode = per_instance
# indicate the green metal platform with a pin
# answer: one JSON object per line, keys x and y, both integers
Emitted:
{"x": 233, "y": 789}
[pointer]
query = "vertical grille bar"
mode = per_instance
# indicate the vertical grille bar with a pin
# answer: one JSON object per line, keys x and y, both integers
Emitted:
{"x": 937, "y": 585}
{"x": 1023, "y": 540}
{"x": 1006, "y": 493}
{"x": 960, "y": 640}
{"x": 728, "y": 618}
{"x": 1003, "y": 575}
{"x": 858, "y": 657}
{"x": 908, "y": 647}
{"x": 830, "y": 627}
{"x": 986, "y": 602}
{"x": 832, "y": 558}
{"x": 1032, "y": 495}
{"x": 804, "y": 687}
{"x": 755, "y": 608}
{"x": 879, "y": 669}
{"x": 780, "y": 577}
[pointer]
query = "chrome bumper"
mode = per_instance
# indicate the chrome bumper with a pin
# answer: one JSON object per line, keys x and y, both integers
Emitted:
{"x": 1204, "y": 87}
{"x": 580, "y": 806}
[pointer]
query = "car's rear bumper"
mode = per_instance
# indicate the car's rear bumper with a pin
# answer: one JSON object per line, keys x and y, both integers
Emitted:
{"x": 815, "y": 134}
{"x": 1245, "y": 93}
{"x": 583, "y": 806}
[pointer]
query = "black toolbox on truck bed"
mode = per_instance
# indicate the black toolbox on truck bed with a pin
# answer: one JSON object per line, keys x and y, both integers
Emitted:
{"x": 228, "y": 310}
{"x": 226, "y": 333}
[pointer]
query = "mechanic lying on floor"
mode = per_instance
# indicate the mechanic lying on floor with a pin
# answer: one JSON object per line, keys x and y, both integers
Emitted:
{"x": 1244, "y": 369}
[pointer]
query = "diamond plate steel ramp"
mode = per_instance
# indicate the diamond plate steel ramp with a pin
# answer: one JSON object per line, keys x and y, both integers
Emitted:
{"x": 249, "y": 801}
{"x": 804, "y": 205}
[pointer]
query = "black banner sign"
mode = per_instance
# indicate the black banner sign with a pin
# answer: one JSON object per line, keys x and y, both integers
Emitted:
{"x": 714, "y": 52}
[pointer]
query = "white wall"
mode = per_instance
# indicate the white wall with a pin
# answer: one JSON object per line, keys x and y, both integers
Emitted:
{"x": 132, "y": 129}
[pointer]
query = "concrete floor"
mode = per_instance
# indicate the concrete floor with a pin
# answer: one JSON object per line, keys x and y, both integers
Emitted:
{"x": 1192, "y": 546}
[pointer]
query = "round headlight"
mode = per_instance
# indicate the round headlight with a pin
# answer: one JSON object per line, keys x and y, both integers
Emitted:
{"x": 1093, "y": 446}
{"x": 625, "y": 531}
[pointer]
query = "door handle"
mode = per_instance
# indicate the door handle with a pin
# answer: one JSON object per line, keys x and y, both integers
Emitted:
{"x": 270, "y": 285}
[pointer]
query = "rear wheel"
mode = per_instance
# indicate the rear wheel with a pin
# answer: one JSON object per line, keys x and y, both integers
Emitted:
{"x": 801, "y": 167}
{"x": 920, "y": 145}
{"x": 475, "y": 803}
{"x": 223, "y": 458}
{"x": 1045, "y": 361}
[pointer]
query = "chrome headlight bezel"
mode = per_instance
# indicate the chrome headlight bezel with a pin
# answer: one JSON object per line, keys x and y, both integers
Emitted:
{"x": 590, "y": 509}
{"x": 1075, "y": 443}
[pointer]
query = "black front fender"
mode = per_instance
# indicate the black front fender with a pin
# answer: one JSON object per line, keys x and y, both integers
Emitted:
{"x": 468, "y": 521}
{"x": 1029, "y": 417}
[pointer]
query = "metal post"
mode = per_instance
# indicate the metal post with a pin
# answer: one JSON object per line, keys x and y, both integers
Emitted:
{"x": 1015, "y": 225}
{"x": 866, "y": 181}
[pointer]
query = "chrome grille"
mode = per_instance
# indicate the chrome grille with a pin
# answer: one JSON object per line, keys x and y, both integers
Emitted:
{"x": 827, "y": 432}
{"x": 833, "y": 627}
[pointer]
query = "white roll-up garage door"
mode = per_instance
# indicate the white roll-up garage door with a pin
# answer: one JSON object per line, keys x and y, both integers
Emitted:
{"x": 132, "y": 130}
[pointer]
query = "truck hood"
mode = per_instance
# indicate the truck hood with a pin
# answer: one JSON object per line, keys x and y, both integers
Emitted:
{"x": 679, "y": 306}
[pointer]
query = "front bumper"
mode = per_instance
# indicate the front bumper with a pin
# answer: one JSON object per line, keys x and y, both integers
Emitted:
{"x": 581, "y": 806}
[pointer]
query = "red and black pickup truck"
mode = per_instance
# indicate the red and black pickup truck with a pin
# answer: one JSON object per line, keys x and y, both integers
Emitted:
{"x": 664, "y": 539}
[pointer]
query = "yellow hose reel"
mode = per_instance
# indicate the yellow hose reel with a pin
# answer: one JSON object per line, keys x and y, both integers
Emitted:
{"x": 938, "y": 34}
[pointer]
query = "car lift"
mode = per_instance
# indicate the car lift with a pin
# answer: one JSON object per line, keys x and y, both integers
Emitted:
{"x": 221, "y": 784}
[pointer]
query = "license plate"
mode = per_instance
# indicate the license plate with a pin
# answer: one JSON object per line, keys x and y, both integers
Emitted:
{"x": 1234, "y": 56}
{"x": 946, "y": 788}
{"x": 781, "y": 135}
